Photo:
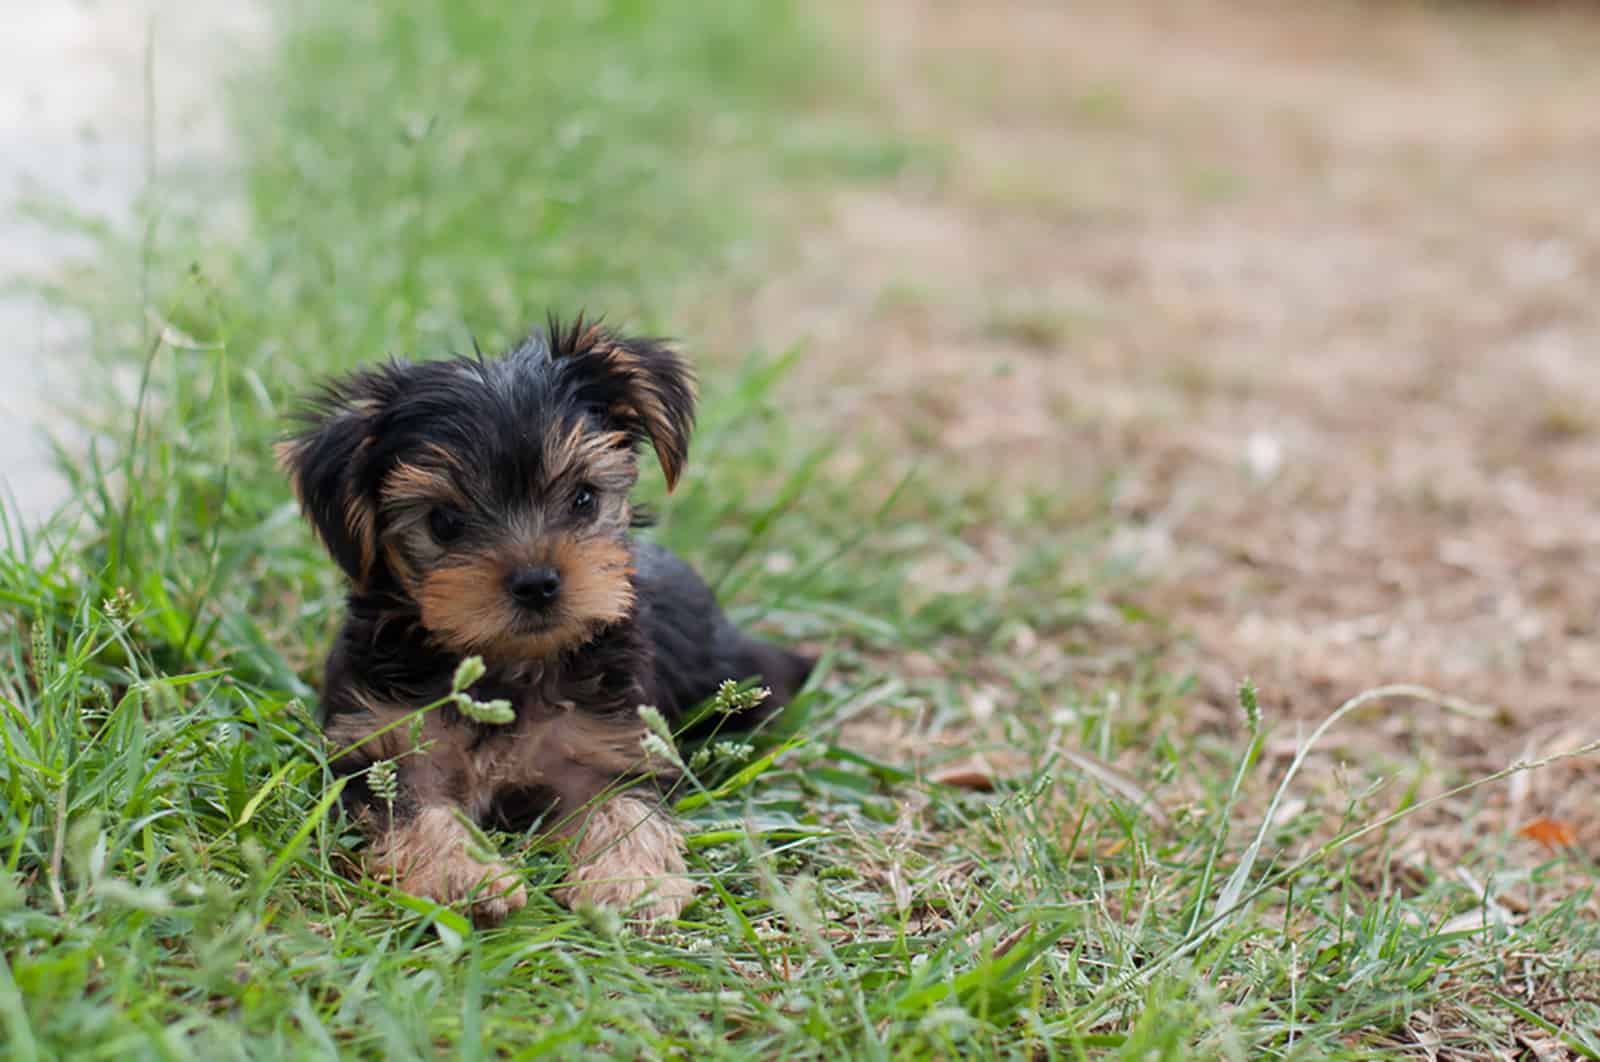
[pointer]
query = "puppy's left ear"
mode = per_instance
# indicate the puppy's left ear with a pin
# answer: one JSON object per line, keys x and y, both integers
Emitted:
{"x": 643, "y": 386}
{"x": 329, "y": 462}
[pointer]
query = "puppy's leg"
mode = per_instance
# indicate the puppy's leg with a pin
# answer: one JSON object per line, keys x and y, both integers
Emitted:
{"x": 429, "y": 853}
{"x": 626, "y": 850}
{"x": 418, "y": 840}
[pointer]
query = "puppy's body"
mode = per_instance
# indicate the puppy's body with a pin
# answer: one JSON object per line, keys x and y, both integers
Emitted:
{"x": 480, "y": 508}
{"x": 672, "y": 654}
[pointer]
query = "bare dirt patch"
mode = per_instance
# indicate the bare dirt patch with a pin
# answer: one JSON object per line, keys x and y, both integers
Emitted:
{"x": 1317, "y": 282}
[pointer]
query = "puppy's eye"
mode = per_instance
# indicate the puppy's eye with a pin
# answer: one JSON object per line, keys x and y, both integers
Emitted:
{"x": 445, "y": 525}
{"x": 583, "y": 501}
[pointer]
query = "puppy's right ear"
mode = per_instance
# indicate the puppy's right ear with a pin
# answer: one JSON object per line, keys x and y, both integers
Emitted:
{"x": 327, "y": 463}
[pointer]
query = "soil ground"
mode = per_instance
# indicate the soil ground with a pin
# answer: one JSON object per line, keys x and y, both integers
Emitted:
{"x": 1314, "y": 284}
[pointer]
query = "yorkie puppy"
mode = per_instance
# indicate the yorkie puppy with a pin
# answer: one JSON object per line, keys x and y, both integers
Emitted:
{"x": 480, "y": 507}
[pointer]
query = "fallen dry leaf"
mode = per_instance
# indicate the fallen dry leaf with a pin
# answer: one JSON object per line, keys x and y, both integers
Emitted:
{"x": 976, "y": 776}
{"x": 1551, "y": 833}
{"x": 1109, "y": 850}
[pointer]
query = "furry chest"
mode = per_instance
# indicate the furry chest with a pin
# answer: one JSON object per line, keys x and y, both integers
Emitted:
{"x": 553, "y": 757}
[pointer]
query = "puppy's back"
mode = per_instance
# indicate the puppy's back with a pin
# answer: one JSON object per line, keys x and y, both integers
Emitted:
{"x": 696, "y": 648}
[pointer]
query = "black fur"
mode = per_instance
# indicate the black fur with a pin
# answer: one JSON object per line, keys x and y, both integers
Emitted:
{"x": 482, "y": 410}
{"x": 488, "y": 416}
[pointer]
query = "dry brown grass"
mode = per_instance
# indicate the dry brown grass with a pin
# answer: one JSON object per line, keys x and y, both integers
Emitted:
{"x": 1317, "y": 281}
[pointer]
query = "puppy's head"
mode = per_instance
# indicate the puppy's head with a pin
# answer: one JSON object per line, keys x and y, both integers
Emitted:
{"x": 494, "y": 493}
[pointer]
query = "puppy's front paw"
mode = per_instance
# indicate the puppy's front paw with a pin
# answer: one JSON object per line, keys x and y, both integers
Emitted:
{"x": 648, "y": 893}
{"x": 428, "y": 856}
{"x": 454, "y": 878}
{"x": 630, "y": 857}
{"x": 495, "y": 894}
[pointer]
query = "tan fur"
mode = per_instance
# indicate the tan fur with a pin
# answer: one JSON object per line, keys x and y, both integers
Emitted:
{"x": 653, "y": 415}
{"x": 358, "y": 515}
{"x": 604, "y": 459}
{"x": 408, "y": 482}
{"x": 575, "y": 755}
{"x": 358, "y": 521}
{"x": 398, "y": 564}
{"x": 629, "y": 855}
{"x": 625, "y": 844}
{"x": 288, "y": 454}
{"x": 465, "y": 603}
{"x": 650, "y": 411}
{"x": 647, "y": 407}
{"x": 466, "y": 606}
{"x": 428, "y": 855}
{"x": 595, "y": 588}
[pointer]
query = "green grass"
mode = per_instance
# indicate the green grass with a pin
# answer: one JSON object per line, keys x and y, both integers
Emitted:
{"x": 422, "y": 173}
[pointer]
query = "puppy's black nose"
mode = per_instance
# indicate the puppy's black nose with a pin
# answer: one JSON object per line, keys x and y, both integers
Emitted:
{"x": 534, "y": 587}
